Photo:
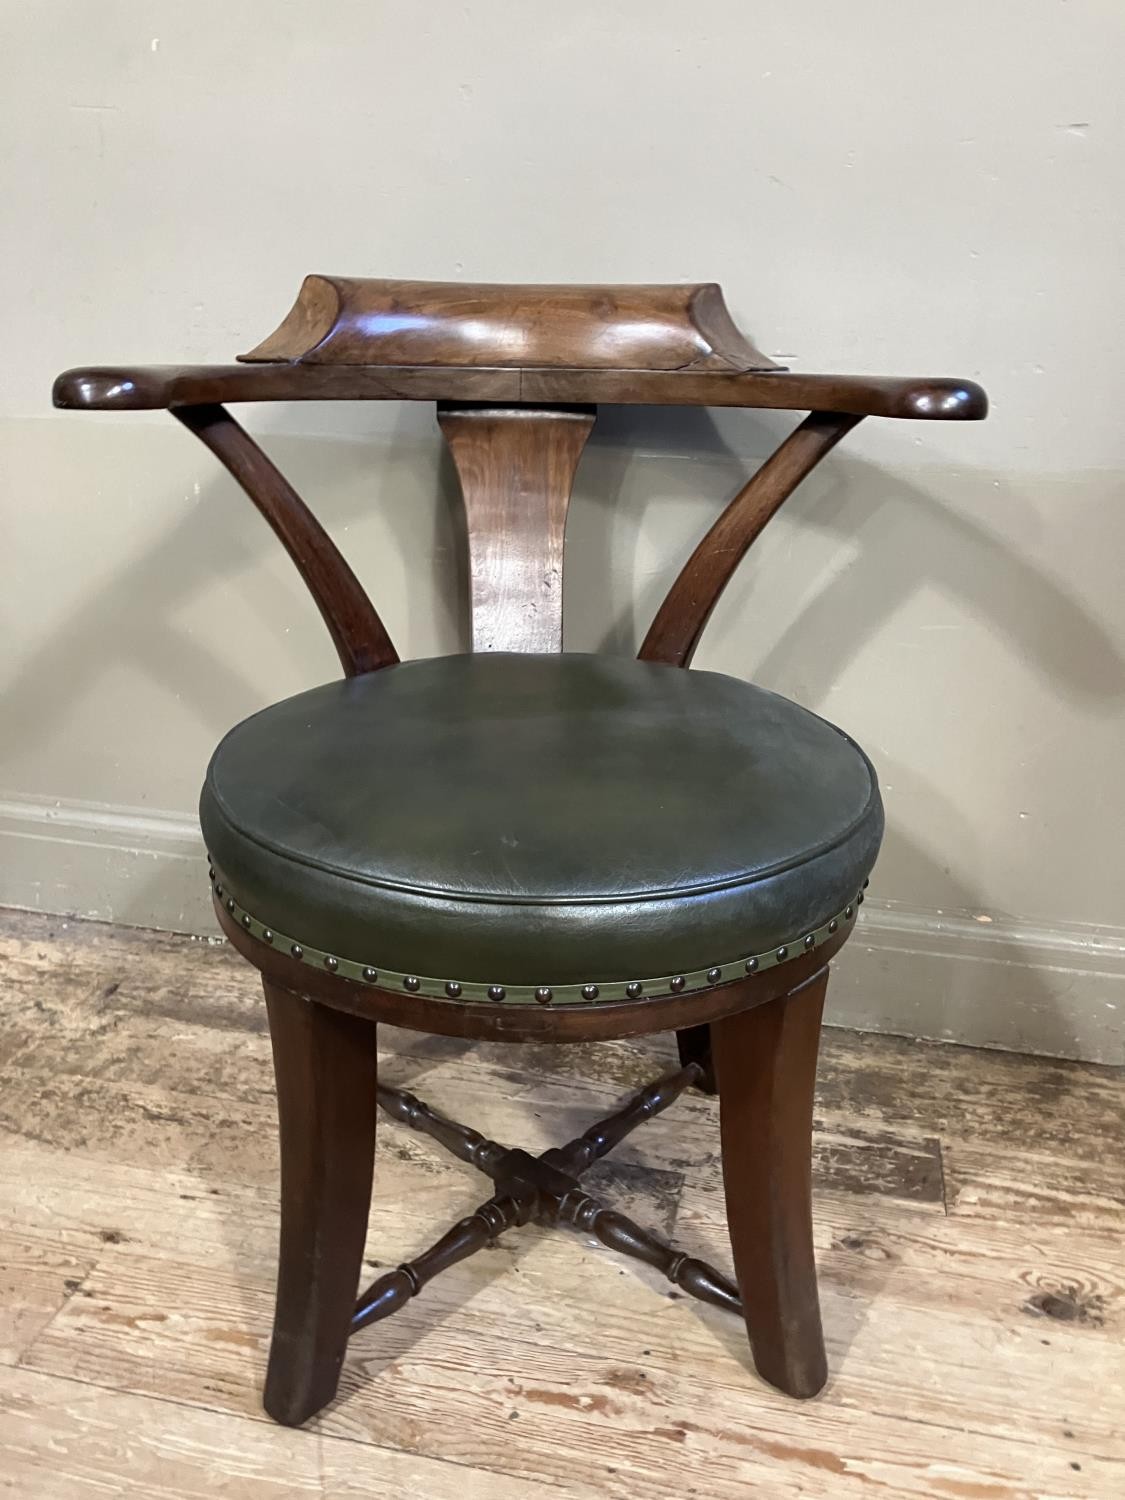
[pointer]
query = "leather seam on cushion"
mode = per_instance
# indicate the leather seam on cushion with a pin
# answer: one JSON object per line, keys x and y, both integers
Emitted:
{"x": 618, "y": 898}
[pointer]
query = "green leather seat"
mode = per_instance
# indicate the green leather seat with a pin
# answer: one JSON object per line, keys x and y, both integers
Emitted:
{"x": 540, "y": 821}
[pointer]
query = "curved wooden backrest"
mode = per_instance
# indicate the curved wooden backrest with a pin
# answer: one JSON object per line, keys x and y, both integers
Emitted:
{"x": 518, "y": 372}
{"x": 342, "y": 320}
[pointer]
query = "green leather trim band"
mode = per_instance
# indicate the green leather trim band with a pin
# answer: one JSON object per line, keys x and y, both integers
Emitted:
{"x": 526, "y": 994}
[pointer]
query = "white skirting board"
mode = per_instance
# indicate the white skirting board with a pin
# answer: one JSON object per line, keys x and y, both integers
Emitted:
{"x": 1055, "y": 990}
{"x": 106, "y": 862}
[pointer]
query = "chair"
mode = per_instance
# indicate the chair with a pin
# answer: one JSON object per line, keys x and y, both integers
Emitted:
{"x": 523, "y": 843}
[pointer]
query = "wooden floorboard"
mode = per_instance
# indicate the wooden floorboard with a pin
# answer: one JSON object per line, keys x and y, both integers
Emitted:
{"x": 970, "y": 1219}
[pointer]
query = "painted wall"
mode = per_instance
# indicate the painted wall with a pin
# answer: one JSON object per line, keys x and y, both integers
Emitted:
{"x": 880, "y": 187}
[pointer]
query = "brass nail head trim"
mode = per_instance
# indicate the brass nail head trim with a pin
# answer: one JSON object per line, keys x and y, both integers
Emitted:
{"x": 452, "y": 989}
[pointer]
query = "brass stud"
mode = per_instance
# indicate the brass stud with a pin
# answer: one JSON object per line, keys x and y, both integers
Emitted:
{"x": 219, "y": 892}
{"x": 211, "y": 873}
{"x": 544, "y": 995}
{"x": 860, "y": 899}
{"x": 867, "y": 882}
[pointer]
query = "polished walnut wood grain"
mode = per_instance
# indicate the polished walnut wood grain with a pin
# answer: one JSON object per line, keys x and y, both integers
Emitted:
{"x": 354, "y": 339}
{"x": 544, "y": 1189}
{"x": 933, "y": 398}
{"x": 766, "y": 1063}
{"x": 353, "y": 320}
{"x": 325, "y": 1066}
{"x": 357, "y": 632}
{"x": 480, "y": 1229}
{"x": 617, "y": 1231}
{"x": 516, "y": 467}
{"x": 600, "y": 1139}
{"x": 141, "y": 388}
{"x": 674, "y": 634}
{"x": 467, "y": 1145}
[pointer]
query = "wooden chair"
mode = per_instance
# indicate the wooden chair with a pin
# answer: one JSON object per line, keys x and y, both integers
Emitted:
{"x": 524, "y": 844}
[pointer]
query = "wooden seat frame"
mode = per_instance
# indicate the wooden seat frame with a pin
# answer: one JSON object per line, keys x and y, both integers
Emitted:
{"x": 516, "y": 431}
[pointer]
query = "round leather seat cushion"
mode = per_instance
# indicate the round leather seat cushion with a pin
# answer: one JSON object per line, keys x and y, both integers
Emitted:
{"x": 526, "y": 819}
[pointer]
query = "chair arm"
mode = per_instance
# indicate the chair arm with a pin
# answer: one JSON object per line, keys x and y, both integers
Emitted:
{"x": 113, "y": 388}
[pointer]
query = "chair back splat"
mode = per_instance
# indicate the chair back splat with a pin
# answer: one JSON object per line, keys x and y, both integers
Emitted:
{"x": 524, "y": 844}
{"x": 516, "y": 465}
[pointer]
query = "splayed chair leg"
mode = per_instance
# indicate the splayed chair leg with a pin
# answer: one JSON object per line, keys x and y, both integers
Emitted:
{"x": 325, "y": 1065}
{"x": 766, "y": 1064}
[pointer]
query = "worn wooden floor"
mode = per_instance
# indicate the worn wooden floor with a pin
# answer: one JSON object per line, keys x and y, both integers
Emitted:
{"x": 970, "y": 1228}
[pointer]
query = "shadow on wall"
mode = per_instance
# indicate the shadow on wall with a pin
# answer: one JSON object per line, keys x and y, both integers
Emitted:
{"x": 878, "y": 517}
{"x": 900, "y": 540}
{"x": 883, "y": 519}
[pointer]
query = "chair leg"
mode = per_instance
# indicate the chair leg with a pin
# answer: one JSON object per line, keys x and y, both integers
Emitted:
{"x": 694, "y": 1043}
{"x": 325, "y": 1065}
{"x": 766, "y": 1062}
